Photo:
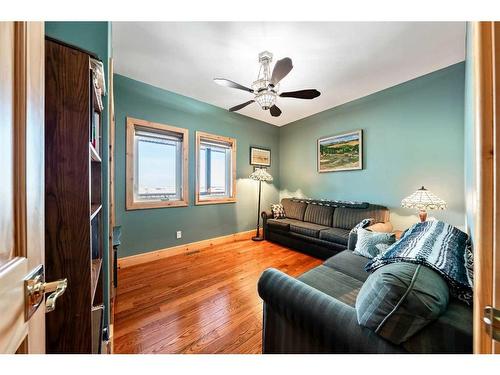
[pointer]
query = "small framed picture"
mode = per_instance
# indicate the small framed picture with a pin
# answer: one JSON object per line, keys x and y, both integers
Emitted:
{"x": 260, "y": 156}
{"x": 342, "y": 152}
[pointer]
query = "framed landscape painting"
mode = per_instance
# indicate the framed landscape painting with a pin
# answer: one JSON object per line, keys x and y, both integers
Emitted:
{"x": 260, "y": 156}
{"x": 342, "y": 152}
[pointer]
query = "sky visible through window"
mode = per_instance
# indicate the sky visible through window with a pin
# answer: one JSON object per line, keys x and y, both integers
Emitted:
{"x": 157, "y": 168}
{"x": 157, "y": 163}
{"x": 217, "y": 170}
{"x": 203, "y": 170}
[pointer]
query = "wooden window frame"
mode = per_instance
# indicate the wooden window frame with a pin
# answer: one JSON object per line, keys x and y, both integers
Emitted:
{"x": 133, "y": 205}
{"x": 217, "y": 138}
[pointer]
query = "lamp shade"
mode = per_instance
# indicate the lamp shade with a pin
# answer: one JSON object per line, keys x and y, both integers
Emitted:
{"x": 423, "y": 199}
{"x": 260, "y": 174}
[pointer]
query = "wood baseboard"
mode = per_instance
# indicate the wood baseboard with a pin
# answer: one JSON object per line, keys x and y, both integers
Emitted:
{"x": 183, "y": 249}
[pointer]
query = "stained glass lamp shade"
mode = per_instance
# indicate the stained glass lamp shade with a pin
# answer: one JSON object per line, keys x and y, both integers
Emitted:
{"x": 260, "y": 174}
{"x": 423, "y": 200}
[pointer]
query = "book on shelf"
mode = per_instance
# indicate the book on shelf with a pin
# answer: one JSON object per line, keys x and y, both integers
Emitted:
{"x": 95, "y": 237}
{"x": 95, "y": 133}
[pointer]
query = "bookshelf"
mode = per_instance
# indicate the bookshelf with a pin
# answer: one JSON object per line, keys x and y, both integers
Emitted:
{"x": 73, "y": 196}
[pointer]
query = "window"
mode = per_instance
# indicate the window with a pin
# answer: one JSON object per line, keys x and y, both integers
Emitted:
{"x": 215, "y": 169}
{"x": 157, "y": 162}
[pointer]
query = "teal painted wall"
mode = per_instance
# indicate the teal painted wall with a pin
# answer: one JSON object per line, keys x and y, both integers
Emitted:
{"x": 94, "y": 37}
{"x": 152, "y": 229}
{"x": 470, "y": 190}
{"x": 413, "y": 136}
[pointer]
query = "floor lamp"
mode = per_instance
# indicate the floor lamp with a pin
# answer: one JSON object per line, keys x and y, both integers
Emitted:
{"x": 260, "y": 174}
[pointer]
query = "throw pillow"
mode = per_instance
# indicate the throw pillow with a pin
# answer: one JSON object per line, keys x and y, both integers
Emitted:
{"x": 362, "y": 224}
{"x": 353, "y": 234}
{"x": 399, "y": 299}
{"x": 370, "y": 243}
{"x": 382, "y": 247}
{"x": 278, "y": 211}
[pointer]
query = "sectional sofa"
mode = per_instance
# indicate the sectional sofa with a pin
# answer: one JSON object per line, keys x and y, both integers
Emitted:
{"x": 321, "y": 228}
{"x": 316, "y": 313}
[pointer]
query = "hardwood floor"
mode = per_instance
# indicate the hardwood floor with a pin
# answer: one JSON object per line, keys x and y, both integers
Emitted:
{"x": 202, "y": 302}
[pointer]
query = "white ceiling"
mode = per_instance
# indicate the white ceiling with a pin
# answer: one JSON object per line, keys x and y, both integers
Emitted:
{"x": 343, "y": 60}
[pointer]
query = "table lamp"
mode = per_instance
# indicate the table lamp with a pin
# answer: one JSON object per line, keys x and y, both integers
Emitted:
{"x": 260, "y": 174}
{"x": 423, "y": 200}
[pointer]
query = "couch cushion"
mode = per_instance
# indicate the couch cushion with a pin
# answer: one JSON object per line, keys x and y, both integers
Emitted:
{"x": 337, "y": 235}
{"x": 282, "y": 224}
{"x": 293, "y": 209}
{"x": 350, "y": 264}
{"x": 347, "y": 218}
{"x": 318, "y": 214}
{"x": 310, "y": 245}
{"x": 399, "y": 299}
{"x": 333, "y": 283}
{"x": 307, "y": 229}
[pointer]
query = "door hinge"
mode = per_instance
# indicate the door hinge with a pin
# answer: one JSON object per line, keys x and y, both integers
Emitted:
{"x": 492, "y": 320}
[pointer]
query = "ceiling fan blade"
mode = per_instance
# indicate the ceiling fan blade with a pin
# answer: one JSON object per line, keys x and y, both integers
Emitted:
{"x": 229, "y": 83}
{"x": 275, "y": 111}
{"x": 281, "y": 69}
{"x": 240, "y": 106}
{"x": 301, "y": 94}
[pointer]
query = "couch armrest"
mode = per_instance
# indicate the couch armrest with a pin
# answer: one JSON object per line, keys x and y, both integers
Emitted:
{"x": 381, "y": 227}
{"x": 323, "y": 318}
{"x": 266, "y": 215}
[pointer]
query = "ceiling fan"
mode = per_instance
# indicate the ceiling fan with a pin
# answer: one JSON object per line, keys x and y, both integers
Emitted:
{"x": 266, "y": 87}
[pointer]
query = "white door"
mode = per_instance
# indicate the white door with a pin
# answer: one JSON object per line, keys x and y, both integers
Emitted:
{"x": 22, "y": 326}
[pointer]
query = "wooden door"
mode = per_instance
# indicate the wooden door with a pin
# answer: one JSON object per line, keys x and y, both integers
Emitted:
{"x": 22, "y": 181}
{"x": 486, "y": 62}
{"x": 495, "y": 263}
{"x": 496, "y": 115}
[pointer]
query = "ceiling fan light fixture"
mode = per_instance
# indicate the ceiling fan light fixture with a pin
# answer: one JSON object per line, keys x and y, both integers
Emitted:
{"x": 266, "y": 99}
{"x": 259, "y": 85}
{"x": 264, "y": 84}
{"x": 267, "y": 85}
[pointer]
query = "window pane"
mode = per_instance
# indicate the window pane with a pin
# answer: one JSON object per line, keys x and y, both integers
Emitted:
{"x": 218, "y": 172}
{"x": 157, "y": 170}
{"x": 203, "y": 170}
{"x": 214, "y": 170}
